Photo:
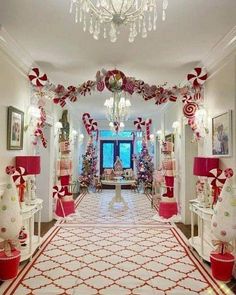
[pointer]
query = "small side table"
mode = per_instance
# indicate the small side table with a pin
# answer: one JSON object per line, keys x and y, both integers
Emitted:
{"x": 29, "y": 212}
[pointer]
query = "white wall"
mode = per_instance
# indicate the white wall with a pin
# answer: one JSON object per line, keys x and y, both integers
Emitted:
{"x": 14, "y": 91}
{"x": 220, "y": 96}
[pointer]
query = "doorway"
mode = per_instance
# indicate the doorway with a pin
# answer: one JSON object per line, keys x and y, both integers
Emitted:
{"x": 110, "y": 149}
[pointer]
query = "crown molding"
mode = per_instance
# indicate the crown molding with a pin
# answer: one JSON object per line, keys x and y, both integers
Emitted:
{"x": 18, "y": 56}
{"x": 221, "y": 53}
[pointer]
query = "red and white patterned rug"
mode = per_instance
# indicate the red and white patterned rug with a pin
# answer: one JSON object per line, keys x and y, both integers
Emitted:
{"x": 114, "y": 259}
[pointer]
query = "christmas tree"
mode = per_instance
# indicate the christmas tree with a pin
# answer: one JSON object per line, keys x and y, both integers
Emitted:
{"x": 144, "y": 165}
{"x": 89, "y": 166}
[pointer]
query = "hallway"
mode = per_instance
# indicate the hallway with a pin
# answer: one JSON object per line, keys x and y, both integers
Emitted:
{"x": 103, "y": 250}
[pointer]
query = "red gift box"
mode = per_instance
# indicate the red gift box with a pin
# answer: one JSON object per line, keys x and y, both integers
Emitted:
{"x": 9, "y": 265}
{"x": 65, "y": 208}
{"x": 168, "y": 209}
{"x": 222, "y": 266}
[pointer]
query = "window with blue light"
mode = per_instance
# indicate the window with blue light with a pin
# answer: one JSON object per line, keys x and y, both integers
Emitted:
{"x": 125, "y": 154}
{"x": 108, "y": 155}
{"x": 112, "y": 134}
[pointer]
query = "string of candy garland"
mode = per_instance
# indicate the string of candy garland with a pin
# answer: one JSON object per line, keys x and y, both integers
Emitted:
{"x": 115, "y": 80}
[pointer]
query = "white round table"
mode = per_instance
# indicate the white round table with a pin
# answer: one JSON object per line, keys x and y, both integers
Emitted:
{"x": 117, "y": 183}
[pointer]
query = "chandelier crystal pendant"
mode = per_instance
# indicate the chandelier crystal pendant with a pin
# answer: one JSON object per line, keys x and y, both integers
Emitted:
{"x": 117, "y": 110}
{"x": 104, "y": 17}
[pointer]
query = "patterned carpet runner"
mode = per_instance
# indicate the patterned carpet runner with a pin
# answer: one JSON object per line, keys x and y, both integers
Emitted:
{"x": 114, "y": 251}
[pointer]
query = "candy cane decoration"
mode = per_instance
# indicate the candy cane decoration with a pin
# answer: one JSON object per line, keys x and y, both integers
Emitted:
{"x": 85, "y": 118}
{"x": 148, "y": 123}
{"x": 197, "y": 77}
{"x": 139, "y": 123}
{"x": 39, "y": 134}
{"x": 37, "y": 79}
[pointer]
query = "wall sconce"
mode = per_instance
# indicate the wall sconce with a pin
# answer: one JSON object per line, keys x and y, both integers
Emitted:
{"x": 81, "y": 137}
{"x": 176, "y": 127}
{"x": 159, "y": 134}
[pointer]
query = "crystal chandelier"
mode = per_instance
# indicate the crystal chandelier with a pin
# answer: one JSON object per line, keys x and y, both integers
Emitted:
{"x": 104, "y": 17}
{"x": 117, "y": 110}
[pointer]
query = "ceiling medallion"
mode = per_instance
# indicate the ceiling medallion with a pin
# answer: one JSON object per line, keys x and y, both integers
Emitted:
{"x": 104, "y": 17}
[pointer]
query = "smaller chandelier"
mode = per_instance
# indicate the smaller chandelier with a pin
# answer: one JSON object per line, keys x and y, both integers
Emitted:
{"x": 106, "y": 16}
{"x": 117, "y": 108}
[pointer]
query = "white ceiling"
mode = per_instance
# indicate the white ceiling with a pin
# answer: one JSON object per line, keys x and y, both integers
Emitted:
{"x": 70, "y": 56}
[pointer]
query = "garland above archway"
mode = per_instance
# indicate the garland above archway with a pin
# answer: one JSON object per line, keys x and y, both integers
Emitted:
{"x": 115, "y": 80}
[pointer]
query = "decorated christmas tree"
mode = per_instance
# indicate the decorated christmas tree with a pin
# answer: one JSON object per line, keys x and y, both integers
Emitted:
{"x": 144, "y": 165}
{"x": 89, "y": 166}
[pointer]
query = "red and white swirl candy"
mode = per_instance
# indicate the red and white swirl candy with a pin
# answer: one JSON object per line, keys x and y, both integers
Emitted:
{"x": 19, "y": 176}
{"x": 58, "y": 193}
{"x": 139, "y": 123}
{"x": 100, "y": 86}
{"x": 10, "y": 170}
{"x": 190, "y": 109}
{"x": 91, "y": 126}
{"x": 197, "y": 77}
{"x": 229, "y": 173}
{"x": 37, "y": 78}
{"x": 217, "y": 177}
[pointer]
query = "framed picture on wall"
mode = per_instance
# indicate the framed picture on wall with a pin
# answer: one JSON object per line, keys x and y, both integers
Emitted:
{"x": 221, "y": 134}
{"x": 15, "y": 129}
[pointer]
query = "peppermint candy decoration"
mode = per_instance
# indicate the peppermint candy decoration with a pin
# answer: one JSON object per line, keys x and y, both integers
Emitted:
{"x": 229, "y": 172}
{"x": 129, "y": 86}
{"x": 139, "y": 123}
{"x": 58, "y": 193}
{"x": 190, "y": 109}
{"x": 197, "y": 77}
{"x": 38, "y": 133}
{"x": 173, "y": 98}
{"x": 61, "y": 101}
{"x": 10, "y": 170}
{"x": 100, "y": 86}
{"x": 19, "y": 176}
{"x": 37, "y": 78}
{"x": 186, "y": 98}
{"x": 91, "y": 126}
{"x": 217, "y": 177}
